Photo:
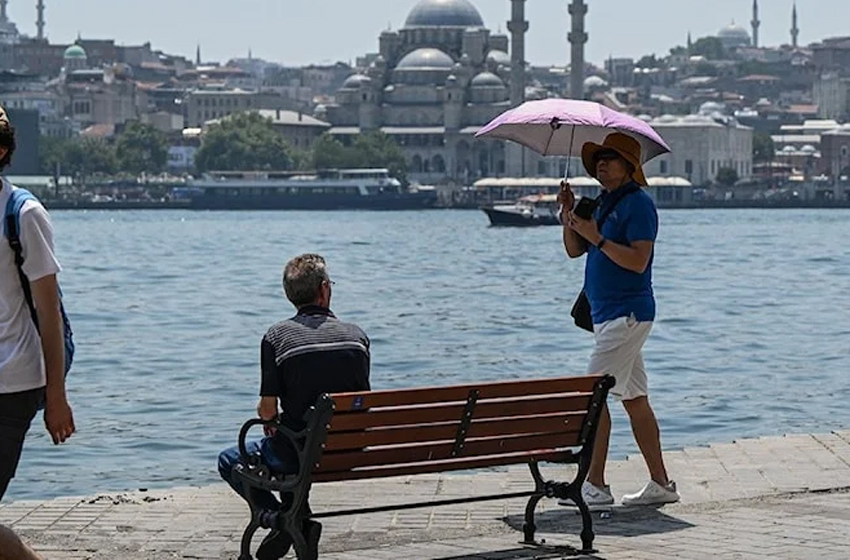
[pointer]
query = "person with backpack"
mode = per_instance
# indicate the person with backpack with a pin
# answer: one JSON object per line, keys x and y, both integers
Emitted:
{"x": 35, "y": 343}
{"x": 619, "y": 239}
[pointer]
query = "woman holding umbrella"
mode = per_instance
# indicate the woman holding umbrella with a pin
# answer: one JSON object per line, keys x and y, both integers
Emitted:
{"x": 619, "y": 240}
{"x": 618, "y": 285}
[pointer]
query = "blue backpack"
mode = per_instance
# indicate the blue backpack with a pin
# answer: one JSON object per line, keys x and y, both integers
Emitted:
{"x": 12, "y": 228}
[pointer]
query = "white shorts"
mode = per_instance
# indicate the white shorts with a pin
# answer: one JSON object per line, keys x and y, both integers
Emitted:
{"x": 618, "y": 352}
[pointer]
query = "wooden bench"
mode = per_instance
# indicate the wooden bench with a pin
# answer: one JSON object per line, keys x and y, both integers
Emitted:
{"x": 358, "y": 436}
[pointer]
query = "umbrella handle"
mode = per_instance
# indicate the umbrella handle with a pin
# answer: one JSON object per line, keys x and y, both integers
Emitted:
{"x": 570, "y": 158}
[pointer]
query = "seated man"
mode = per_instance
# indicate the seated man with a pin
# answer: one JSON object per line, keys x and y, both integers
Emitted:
{"x": 300, "y": 358}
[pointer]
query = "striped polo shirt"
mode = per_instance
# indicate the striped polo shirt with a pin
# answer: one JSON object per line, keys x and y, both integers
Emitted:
{"x": 310, "y": 354}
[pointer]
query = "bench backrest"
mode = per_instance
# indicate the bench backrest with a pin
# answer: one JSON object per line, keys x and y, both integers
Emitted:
{"x": 411, "y": 431}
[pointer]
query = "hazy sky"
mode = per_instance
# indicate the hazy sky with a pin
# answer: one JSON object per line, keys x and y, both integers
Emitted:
{"x": 297, "y": 32}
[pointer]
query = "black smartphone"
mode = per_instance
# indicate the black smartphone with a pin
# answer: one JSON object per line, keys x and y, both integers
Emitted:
{"x": 585, "y": 208}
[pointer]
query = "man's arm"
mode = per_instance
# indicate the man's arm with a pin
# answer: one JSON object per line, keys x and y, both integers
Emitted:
{"x": 58, "y": 416}
{"x": 270, "y": 384}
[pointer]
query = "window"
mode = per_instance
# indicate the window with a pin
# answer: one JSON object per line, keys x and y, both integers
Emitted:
{"x": 541, "y": 168}
{"x": 689, "y": 166}
{"x": 664, "y": 168}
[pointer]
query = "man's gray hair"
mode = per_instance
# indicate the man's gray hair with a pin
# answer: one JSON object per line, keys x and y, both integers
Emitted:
{"x": 303, "y": 277}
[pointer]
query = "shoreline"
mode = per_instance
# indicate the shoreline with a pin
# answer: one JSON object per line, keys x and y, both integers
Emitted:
{"x": 52, "y": 205}
{"x": 778, "y": 496}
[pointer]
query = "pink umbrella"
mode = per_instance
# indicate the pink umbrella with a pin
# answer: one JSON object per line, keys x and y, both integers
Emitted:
{"x": 560, "y": 127}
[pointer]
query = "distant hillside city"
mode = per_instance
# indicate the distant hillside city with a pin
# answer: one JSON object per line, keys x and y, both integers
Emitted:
{"x": 743, "y": 119}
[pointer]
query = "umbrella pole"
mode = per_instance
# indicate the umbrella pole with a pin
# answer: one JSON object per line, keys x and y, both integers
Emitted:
{"x": 570, "y": 157}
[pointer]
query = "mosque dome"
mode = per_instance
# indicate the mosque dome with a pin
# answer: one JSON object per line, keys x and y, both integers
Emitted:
{"x": 444, "y": 13}
{"x": 711, "y": 107}
{"x": 499, "y": 57}
{"x": 75, "y": 52}
{"x": 487, "y": 79}
{"x": 594, "y": 82}
{"x": 354, "y": 81}
{"x": 733, "y": 35}
{"x": 426, "y": 59}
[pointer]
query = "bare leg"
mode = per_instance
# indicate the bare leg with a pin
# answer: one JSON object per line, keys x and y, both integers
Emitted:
{"x": 648, "y": 437}
{"x": 12, "y": 548}
{"x": 596, "y": 474}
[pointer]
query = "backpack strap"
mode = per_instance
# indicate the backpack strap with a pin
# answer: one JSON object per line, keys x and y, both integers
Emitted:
{"x": 12, "y": 226}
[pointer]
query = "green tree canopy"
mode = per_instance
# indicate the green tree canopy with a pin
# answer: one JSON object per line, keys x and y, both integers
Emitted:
{"x": 141, "y": 148}
{"x": 764, "y": 149}
{"x": 371, "y": 149}
{"x": 709, "y": 47}
{"x": 244, "y": 142}
{"x": 727, "y": 176}
{"x": 79, "y": 157}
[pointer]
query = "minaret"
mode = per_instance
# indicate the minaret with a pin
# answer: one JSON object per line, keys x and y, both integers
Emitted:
{"x": 690, "y": 43}
{"x": 39, "y": 23}
{"x": 3, "y": 17}
{"x": 198, "y": 55}
{"x": 577, "y": 38}
{"x": 795, "y": 30}
{"x": 756, "y": 23}
{"x": 518, "y": 27}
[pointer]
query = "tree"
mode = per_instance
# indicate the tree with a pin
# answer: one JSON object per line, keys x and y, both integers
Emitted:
{"x": 727, "y": 176}
{"x": 244, "y": 142}
{"x": 376, "y": 149}
{"x": 648, "y": 61}
{"x": 330, "y": 153}
{"x": 141, "y": 148}
{"x": 764, "y": 149}
{"x": 78, "y": 157}
{"x": 709, "y": 47}
{"x": 371, "y": 149}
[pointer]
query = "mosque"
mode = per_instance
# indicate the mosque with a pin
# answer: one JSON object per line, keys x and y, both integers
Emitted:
{"x": 433, "y": 84}
{"x": 444, "y": 74}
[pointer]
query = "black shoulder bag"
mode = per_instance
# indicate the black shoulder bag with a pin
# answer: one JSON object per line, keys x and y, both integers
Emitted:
{"x": 581, "y": 308}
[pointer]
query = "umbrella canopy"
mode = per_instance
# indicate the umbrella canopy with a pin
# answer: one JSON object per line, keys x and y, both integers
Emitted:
{"x": 560, "y": 127}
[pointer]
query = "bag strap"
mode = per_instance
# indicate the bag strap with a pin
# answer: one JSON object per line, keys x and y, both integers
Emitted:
{"x": 12, "y": 223}
{"x": 618, "y": 195}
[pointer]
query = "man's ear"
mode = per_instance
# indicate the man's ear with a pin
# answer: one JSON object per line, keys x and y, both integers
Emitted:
{"x": 3, "y": 152}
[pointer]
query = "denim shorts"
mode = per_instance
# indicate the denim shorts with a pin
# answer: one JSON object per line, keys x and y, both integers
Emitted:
{"x": 16, "y": 413}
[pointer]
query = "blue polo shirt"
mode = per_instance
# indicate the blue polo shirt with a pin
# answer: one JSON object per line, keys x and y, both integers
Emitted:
{"x": 613, "y": 291}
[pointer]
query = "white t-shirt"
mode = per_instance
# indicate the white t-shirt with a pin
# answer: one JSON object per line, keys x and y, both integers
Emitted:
{"x": 21, "y": 358}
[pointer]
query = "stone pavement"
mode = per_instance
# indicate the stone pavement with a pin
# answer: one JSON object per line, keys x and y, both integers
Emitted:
{"x": 774, "y": 497}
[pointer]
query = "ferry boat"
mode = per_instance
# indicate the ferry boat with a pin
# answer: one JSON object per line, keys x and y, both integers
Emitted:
{"x": 532, "y": 210}
{"x": 335, "y": 189}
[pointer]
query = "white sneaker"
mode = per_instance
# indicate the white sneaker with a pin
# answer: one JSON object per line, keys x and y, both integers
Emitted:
{"x": 653, "y": 494}
{"x": 593, "y": 496}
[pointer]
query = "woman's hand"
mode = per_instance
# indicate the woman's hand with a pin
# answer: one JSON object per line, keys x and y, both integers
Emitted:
{"x": 567, "y": 199}
{"x": 588, "y": 229}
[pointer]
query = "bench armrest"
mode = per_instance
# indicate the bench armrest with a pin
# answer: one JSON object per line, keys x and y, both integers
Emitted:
{"x": 293, "y": 436}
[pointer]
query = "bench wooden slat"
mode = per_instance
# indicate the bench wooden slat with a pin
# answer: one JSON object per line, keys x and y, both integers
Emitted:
{"x": 364, "y": 400}
{"x": 408, "y": 454}
{"x": 448, "y": 430}
{"x": 496, "y": 408}
{"x": 543, "y": 455}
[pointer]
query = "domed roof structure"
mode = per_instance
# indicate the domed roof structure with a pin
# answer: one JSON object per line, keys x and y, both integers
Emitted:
{"x": 592, "y": 82}
{"x": 499, "y": 57}
{"x": 734, "y": 35}
{"x": 444, "y": 13}
{"x": 426, "y": 59}
{"x": 75, "y": 51}
{"x": 354, "y": 81}
{"x": 487, "y": 79}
